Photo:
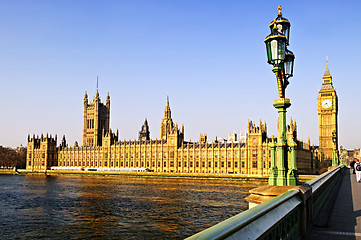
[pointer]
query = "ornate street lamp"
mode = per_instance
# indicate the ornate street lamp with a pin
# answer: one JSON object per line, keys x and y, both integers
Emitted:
{"x": 283, "y": 172}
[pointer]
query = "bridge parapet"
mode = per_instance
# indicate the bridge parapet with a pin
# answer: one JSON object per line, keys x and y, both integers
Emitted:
{"x": 324, "y": 190}
{"x": 287, "y": 216}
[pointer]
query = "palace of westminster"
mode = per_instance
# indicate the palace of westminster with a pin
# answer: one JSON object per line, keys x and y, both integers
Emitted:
{"x": 101, "y": 148}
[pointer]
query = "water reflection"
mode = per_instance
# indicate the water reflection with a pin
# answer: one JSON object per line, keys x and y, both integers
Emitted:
{"x": 99, "y": 207}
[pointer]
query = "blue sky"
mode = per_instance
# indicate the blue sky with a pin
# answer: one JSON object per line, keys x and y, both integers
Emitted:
{"x": 209, "y": 56}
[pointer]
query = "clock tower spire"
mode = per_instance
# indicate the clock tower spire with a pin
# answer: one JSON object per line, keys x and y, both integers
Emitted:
{"x": 327, "y": 103}
{"x": 327, "y": 78}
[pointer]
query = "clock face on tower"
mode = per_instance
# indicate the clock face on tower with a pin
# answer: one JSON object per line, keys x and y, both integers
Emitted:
{"x": 326, "y": 103}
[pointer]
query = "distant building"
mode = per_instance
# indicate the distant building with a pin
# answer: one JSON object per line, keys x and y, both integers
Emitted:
{"x": 350, "y": 154}
{"x": 327, "y": 103}
{"x": 102, "y": 148}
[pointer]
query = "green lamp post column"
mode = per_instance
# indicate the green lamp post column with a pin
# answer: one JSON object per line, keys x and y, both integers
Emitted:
{"x": 282, "y": 60}
{"x": 281, "y": 104}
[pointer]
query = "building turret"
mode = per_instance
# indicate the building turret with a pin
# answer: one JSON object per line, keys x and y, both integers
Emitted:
{"x": 63, "y": 143}
{"x": 292, "y": 131}
{"x": 144, "y": 134}
{"x": 97, "y": 98}
{"x": 86, "y": 97}
{"x": 257, "y": 133}
{"x": 108, "y": 101}
{"x": 203, "y": 138}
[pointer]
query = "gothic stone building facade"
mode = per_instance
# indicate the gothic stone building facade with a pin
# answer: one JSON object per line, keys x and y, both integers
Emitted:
{"x": 102, "y": 148}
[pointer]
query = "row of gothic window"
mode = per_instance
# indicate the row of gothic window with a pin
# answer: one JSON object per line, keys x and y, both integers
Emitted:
{"x": 254, "y": 154}
{"x": 159, "y": 164}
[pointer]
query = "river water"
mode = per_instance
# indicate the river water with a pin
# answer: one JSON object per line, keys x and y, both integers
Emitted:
{"x": 115, "y": 207}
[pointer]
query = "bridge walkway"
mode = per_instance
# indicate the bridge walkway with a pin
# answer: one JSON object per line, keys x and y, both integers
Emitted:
{"x": 344, "y": 220}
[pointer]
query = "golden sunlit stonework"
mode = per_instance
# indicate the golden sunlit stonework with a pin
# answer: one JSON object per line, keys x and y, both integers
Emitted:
{"x": 95, "y": 120}
{"x": 102, "y": 148}
{"x": 327, "y": 105}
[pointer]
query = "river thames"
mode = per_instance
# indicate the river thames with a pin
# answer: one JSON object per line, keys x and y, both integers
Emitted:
{"x": 116, "y": 207}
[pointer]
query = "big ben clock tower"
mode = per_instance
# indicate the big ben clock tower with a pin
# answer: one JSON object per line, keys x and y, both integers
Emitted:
{"x": 327, "y": 116}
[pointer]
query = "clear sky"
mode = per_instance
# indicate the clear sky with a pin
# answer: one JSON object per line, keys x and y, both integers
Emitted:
{"x": 208, "y": 55}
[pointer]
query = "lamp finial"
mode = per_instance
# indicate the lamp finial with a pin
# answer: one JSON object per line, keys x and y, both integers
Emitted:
{"x": 279, "y": 10}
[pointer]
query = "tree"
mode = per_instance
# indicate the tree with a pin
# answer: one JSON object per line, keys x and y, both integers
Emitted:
{"x": 10, "y": 158}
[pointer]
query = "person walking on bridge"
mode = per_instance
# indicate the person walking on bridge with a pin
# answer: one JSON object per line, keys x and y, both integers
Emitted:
{"x": 358, "y": 170}
{"x": 352, "y": 165}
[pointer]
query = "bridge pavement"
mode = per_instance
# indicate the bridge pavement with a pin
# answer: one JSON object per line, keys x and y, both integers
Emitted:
{"x": 344, "y": 220}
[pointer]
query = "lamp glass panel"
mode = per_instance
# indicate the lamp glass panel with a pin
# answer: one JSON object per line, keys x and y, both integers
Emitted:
{"x": 288, "y": 67}
{"x": 280, "y": 51}
{"x": 284, "y": 28}
{"x": 287, "y": 34}
{"x": 274, "y": 50}
{"x": 269, "y": 52}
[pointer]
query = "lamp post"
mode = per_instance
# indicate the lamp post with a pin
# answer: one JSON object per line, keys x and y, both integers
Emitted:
{"x": 283, "y": 172}
{"x": 335, "y": 153}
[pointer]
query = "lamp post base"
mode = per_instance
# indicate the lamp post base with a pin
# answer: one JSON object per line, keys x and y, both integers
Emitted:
{"x": 281, "y": 177}
{"x": 292, "y": 178}
{"x": 292, "y": 175}
{"x": 272, "y": 180}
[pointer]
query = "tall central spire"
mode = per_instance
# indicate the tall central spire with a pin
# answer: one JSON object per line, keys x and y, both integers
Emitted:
{"x": 327, "y": 71}
{"x": 167, "y": 122}
{"x": 327, "y": 78}
{"x": 167, "y": 112}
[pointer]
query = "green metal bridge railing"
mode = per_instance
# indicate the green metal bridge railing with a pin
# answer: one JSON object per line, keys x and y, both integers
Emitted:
{"x": 287, "y": 216}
